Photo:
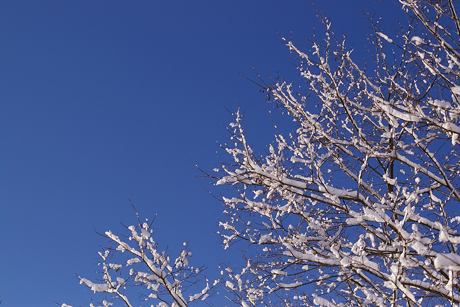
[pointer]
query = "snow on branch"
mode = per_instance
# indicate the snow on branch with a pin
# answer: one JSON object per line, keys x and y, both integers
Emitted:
{"x": 357, "y": 203}
{"x": 148, "y": 270}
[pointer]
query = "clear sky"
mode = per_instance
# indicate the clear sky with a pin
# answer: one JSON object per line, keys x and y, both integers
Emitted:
{"x": 105, "y": 101}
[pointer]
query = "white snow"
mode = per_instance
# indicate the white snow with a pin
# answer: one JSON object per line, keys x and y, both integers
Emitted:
{"x": 455, "y": 90}
{"x": 417, "y": 40}
{"x": 449, "y": 261}
{"x": 385, "y": 37}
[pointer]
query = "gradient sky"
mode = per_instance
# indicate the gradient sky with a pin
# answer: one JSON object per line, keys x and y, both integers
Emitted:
{"x": 105, "y": 101}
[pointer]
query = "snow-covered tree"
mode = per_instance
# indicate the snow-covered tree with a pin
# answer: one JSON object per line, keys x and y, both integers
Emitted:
{"x": 136, "y": 272}
{"x": 358, "y": 205}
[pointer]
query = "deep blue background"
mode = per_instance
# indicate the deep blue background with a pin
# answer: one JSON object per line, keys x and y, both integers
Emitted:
{"x": 105, "y": 101}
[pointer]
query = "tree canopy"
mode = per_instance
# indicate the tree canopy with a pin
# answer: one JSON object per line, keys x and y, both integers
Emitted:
{"x": 357, "y": 205}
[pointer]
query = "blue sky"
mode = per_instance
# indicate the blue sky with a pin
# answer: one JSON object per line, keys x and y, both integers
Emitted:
{"x": 105, "y": 101}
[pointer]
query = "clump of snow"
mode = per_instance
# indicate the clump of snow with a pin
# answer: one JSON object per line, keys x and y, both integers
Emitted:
{"x": 95, "y": 287}
{"x": 417, "y": 40}
{"x": 449, "y": 261}
{"x": 455, "y": 90}
{"x": 385, "y": 37}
